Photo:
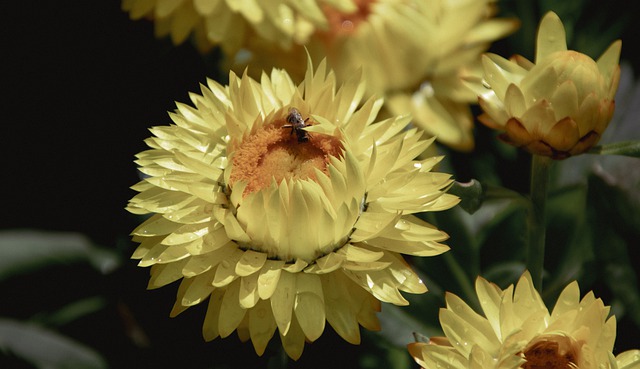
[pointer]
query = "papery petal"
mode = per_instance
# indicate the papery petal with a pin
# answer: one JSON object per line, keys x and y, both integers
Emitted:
{"x": 551, "y": 36}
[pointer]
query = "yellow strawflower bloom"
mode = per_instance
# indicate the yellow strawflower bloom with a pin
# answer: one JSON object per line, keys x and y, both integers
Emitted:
{"x": 557, "y": 107}
{"x": 287, "y": 206}
{"x": 230, "y": 23}
{"x": 415, "y": 53}
{"x": 517, "y": 331}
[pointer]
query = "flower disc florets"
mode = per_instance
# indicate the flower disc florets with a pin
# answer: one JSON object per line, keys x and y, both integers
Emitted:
{"x": 286, "y": 206}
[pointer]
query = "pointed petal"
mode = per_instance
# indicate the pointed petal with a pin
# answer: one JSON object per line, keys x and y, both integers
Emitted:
{"x": 269, "y": 277}
{"x": 261, "y": 326}
{"x": 250, "y": 262}
{"x": 248, "y": 295}
{"x": 609, "y": 60}
{"x": 568, "y": 300}
{"x": 309, "y": 305}
{"x": 293, "y": 340}
{"x": 340, "y": 303}
{"x": 282, "y": 301}
{"x": 225, "y": 273}
{"x": 198, "y": 290}
{"x": 500, "y": 72}
{"x": 231, "y": 314}
{"x": 515, "y": 101}
{"x": 210, "y": 328}
{"x": 565, "y": 100}
{"x": 551, "y": 37}
{"x": 163, "y": 274}
{"x": 564, "y": 135}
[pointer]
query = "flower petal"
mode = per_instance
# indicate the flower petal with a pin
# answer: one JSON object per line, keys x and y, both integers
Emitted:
{"x": 551, "y": 36}
{"x": 261, "y": 325}
{"x": 309, "y": 305}
{"x": 230, "y": 312}
{"x": 282, "y": 301}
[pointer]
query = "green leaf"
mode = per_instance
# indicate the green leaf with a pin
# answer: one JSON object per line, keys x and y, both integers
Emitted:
{"x": 568, "y": 239}
{"x": 385, "y": 356}
{"x": 621, "y": 279}
{"x": 614, "y": 191}
{"x": 474, "y": 194}
{"x": 500, "y": 226}
{"x": 471, "y": 195}
{"x": 616, "y": 228}
{"x": 626, "y": 148}
{"x": 399, "y": 325}
{"x": 72, "y": 311}
{"x": 46, "y": 349}
{"x": 505, "y": 273}
{"x": 22, "y": 251}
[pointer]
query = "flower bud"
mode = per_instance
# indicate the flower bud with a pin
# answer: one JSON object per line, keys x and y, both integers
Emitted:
{"x": 557, "y": 107}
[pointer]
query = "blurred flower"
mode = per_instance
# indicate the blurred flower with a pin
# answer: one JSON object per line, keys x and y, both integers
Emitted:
{"x": 231, "y": 23}
{"x": 416, "y": 53}
{"x": 287, "y": 206}
{"x": 519, "y": 332}
{"x": 557, "y": 107}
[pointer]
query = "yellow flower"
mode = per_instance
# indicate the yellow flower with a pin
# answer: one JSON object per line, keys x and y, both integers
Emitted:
{"x": 415, "y": 53}
{"x": 558, "y": 106}
{"x": 286, "y": 206}
{"x": 518, "y": 331}
{"x": 231, "y": 23}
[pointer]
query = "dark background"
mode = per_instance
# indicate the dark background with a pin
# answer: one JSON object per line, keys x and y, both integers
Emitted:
{"x": 81, "y": 84}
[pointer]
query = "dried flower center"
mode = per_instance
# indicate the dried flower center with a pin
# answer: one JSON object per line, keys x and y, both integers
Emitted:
{"x": 551, "y": 353}
{"x": 276, "y": 152}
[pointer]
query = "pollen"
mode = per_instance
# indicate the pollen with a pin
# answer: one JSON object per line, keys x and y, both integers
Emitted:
{"x": 551, "y": 354}
{"x": 273, "y": 152}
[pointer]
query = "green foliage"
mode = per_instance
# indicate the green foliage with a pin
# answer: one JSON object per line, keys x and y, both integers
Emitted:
{"x": 46, "y": 349}
{"x": 23, "y": 251}
{"x": 629, "y": 148}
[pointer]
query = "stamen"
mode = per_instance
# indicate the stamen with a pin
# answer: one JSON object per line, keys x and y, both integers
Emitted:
{"x": 272, "y": 153}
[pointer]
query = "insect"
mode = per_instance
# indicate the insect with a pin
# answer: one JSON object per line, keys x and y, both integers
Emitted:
{"x": 296, "y": 123}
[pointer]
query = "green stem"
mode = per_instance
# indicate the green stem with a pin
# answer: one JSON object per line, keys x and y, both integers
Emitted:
{"x": 537, "y": 228}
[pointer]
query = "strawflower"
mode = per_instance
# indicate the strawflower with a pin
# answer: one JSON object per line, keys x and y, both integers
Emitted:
{"x": 287, "y": 206}
{"x": 517, "y": 331}
{"x": 558, "y": 106}
{"x": 231, "y": 23}
{"x": 415, "y": 53}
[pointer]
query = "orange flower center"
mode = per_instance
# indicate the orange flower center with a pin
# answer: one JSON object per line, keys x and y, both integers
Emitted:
{"x": 346, "y": 23}
{"x": 551, "y": 353}
{"x": 275, "y": 152}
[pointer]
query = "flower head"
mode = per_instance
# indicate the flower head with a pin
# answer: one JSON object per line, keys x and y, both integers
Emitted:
{"x": 518, "y": 331}
{"x": 434, "y": 45}
{"x": 286, "y": 206}
{"x": 231, "y": 23}
{"x": 557, "y": 107}
{"x": 415, "y": 53}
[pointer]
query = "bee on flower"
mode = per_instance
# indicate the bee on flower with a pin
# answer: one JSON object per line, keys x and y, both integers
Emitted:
{"x": 297, "y": 125}
{"x": 282, "y": 235}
